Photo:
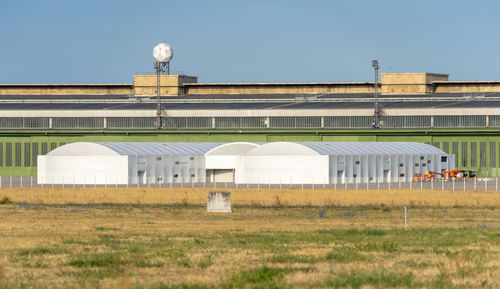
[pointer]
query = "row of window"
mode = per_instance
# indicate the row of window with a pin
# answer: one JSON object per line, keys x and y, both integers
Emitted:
{"x": 451, "y": 121}
{"x": 23, "y": 154}
{"x": 473, "y": 161}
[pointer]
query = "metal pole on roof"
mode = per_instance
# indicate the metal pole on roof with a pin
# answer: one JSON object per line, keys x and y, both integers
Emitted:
{"x": 376, "y": 122}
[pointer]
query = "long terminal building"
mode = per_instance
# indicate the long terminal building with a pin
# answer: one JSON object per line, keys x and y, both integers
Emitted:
{"x": 459, "y": 117}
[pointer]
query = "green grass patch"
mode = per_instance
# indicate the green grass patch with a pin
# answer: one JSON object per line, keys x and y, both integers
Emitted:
{"x": 102, "y": 228}
{"x": 385, "y": 246}
{"x": 263, "y": 277}
{"x": 98, "y": 260}
{"x": 378, "y": 278}
{"x": 288, "y": 258}
{"x": 5, "y": 201}
{"x": 42, "y": 250}
{"x": 344, "y": 255}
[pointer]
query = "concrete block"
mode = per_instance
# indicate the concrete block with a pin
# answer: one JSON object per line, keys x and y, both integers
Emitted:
{"x": 219, "y": 202}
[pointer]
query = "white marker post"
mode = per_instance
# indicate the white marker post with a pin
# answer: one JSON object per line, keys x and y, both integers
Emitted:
{"x": 406, "y": 227}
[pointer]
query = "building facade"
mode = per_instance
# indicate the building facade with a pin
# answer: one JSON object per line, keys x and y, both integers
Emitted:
{"x": 458, "y": 117}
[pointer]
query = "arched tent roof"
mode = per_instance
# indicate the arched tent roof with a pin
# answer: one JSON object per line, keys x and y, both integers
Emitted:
{"x": 283, "y": 148}
{"x": 344, "y": 148}
{"x": 234, "y": 148}
{"x": 134, "y": 148}
{"x": 83, "y": 149}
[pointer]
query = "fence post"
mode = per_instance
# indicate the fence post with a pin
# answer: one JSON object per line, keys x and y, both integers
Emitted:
{"x": 475, "y": 184}
{"x": 496, "y": 183}
{"x": 21, "y": 182}
{"x": 389, "y": 185}
{"x": 406, "y": 226}
{"x": 485, "y": 184}
{"x": 453, "y": 185}
{"x": 31, "y": 181}
{"x": 464, "y": 184}
{"x": 432, "y": 184}
{"x": 421, "y": 185}
{"x": 10, "y": 182}
{"x": 442, "y": 184}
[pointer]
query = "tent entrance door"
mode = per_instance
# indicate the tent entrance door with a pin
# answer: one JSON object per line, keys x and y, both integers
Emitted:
{"x": 140, "y": 177}
{"x": 223, "y": 175}
{"x": 340, "y": 177}
{"x": 386, "y": 176}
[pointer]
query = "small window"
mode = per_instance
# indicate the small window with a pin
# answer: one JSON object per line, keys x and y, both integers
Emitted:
{"x": 176, "y": 176}
{"x": 444, "y": 159}
{"x": 357, "y": 162}
{"x": 354, "y": 176}
{"x": 428, "y": 161}
{"x": 371, "y": 178}
{"x": 401, "y": 175}
{"x": 401, "y": 165}
{"x": 424, "y": 164}
{"x": 191, "y": 158}
{"x": 421, "y": 158}
{"x": 159, "y": 179}
{"x": 158, "y": 158}
{"x": 193, "y": 175}
{"x": 177, "y": 162}
{"x": 416, "y": 164}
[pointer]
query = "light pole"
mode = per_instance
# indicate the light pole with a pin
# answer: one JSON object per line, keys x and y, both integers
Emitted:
{"x": 162, "y": 54}
{"x": 376, "y": 122}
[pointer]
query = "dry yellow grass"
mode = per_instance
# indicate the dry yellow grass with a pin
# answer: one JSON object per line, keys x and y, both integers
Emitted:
{"x": 192, "y": 246}
{"x": 264, "y": 197}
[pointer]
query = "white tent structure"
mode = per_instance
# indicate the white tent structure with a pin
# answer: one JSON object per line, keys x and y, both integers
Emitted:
{"x": 241, "y": 163}
{"x": 221, "y": 162}
{"x": 124, "y": 163}
{"x": 339, "y": 162}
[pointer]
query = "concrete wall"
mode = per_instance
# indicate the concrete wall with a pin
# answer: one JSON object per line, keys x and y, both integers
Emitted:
{"x": 66, "y": 89}
{"x": 278, "y": 88}
{"x": 410, "y": 83}
{"x": 145, "y": 85}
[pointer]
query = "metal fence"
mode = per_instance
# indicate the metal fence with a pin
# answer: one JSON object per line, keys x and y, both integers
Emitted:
{"x": 485, "y": 184}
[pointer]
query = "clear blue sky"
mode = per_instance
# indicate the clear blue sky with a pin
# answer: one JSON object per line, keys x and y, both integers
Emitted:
{"x": 100, "y": 41}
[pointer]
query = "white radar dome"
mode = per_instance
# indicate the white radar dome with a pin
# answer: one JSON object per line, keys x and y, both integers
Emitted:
{"x": 162, "y": 52}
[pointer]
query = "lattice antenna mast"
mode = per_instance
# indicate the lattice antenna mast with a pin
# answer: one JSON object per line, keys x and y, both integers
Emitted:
{"x": 376, "y": 111}
{"x": 162, "y": 54}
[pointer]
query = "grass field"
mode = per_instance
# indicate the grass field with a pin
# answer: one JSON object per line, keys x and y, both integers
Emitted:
{"x": 304, "y": 239}
{"x": 255, "y": 197}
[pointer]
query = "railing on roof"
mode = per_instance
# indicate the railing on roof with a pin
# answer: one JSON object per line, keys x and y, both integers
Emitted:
{"x": 261, "y": 122}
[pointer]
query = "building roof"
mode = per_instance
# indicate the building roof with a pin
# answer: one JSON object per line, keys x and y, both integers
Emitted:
{"x": 134, "y": 148}
{"x": 344, "y": 148}
{"x": 252, "y": 105}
